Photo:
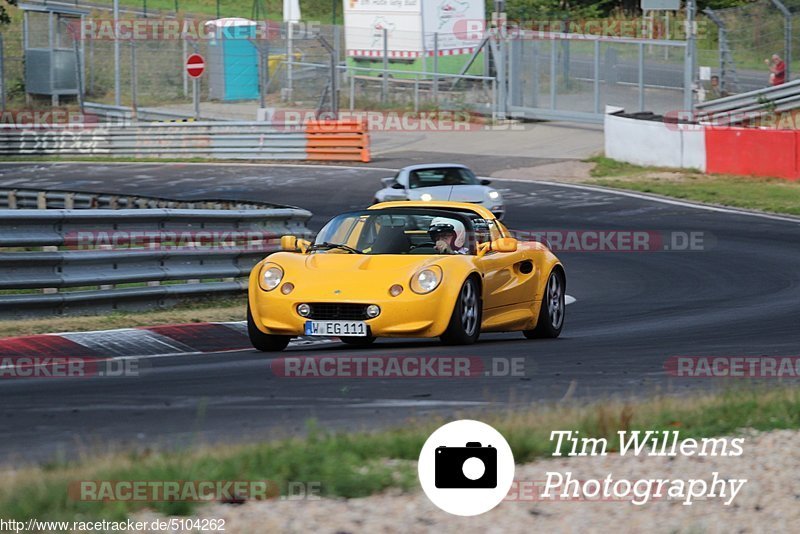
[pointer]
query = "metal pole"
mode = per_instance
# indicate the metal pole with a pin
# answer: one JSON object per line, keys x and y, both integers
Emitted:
{"x": 553, "y": 74}
{"x": 117, "y": 98}
{"x": 352, "y": 91}
{"x": 787, "y": 34}
{"x": 385, "y": 79}
{"x": 2, "y": 77}
{"x": 134, "y": 105}
{"x": 688, "y": 63}
{"x": 196, "y": 97}
{"x": 78, "y": 73}
{"x": 91, "y": 66}
{"x": 436, "y": 68}
{"x": 185, "y": 74}
{"x": 597, "y": 76}
{"x": 641, "y": 77}
{"x": 290, "y": 60}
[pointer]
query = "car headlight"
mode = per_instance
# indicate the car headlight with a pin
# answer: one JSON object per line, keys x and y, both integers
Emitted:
{"x": 426, "y": 280}
{"x": 494, "y": 195}
{"x": 427, "y": 197}
{"x": 271, "y": 276}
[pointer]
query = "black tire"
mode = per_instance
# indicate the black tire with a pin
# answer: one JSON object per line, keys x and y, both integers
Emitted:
{"x": 553, "y": 309}
{"x": 358, "y": 341}
{"x": 264, "y": 342}
{"x": 465, "y": 323}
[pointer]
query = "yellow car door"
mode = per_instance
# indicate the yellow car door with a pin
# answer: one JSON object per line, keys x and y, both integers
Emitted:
{"x": 509, "y": 278}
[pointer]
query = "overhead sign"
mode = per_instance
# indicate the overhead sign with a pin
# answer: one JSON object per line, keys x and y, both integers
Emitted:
{"x": 661, "y": 5}
{"x": 195, "y": 65}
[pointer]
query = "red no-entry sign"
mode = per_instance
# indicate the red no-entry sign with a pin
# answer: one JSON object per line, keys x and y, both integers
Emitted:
{"x": 195, "y": 65}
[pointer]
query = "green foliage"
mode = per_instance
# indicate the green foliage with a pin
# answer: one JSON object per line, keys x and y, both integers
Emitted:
{"x": 4, "y": 18}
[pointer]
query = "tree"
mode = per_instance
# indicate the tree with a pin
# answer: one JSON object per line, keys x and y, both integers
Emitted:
{"x": 4, "y": 18}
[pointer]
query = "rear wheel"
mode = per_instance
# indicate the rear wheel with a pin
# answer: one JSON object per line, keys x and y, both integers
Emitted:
{"x": 358, "y": 341}
{"x": 264, "y": 342}
{"x": 465, "y": 323}
{"x": 552, "y": 311}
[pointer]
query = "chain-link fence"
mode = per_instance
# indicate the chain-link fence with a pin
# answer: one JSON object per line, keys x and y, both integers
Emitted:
{"x": 561, "y": 75}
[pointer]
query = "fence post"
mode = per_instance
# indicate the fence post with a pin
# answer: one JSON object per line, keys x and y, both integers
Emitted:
{"x": 117, "y": 96}
{"x": 352, "y": 91}
{"x": 553, "y": 73}
{"x": 134, "y": 105}
{"x": 597, "y": 76}
{"x": 436, "y": 68}
{"x": 787, "y": 34}
{"x": 688, "y": 63}
{"x": 183, "y": 60}
{"x": 385, "y": 80}
{"x": 2, "y": 77}
{"x": 641, "y": 76}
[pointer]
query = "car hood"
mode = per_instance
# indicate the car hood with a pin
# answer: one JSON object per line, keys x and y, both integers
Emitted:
{"x": 456, "y": 193}
{"x": 356, "y": 265}
{"x": 353, "y": 275}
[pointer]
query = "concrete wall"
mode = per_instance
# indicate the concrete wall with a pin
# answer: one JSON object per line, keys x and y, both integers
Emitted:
{"x": 644, "y": 142}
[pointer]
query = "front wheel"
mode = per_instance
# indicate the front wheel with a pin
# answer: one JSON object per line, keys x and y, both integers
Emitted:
{"x": 552, "y": 311}
{"x": 264, "y": 342}
{"x": 465, "y": 323}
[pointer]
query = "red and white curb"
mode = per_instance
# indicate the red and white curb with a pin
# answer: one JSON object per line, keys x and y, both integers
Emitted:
{"x": 192, "y": 338}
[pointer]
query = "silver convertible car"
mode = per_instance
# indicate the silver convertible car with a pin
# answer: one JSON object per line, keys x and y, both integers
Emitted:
{"x": 441, "y": 181}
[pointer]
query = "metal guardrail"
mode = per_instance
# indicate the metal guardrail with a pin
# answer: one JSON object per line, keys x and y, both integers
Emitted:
{"x": 22, "y": 198}
{"x": 343, "y": 140}
{"x": 81, "y": 260}
{"x": 222, "y": 140}
{"x": 737, "y": 108}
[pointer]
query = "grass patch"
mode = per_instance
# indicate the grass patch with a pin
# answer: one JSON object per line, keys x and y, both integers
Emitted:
{"x": 773, "y": 195}
{"x": 359, "y": 464}
{"x": 190, "y": 311}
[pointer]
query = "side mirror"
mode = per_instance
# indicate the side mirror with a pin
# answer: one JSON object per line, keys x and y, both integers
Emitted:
{"x": 290, "y": 243}
{"x": 397, "y": 185}
{"x": 505, "y": 244}
{"x": 485, "y": 181}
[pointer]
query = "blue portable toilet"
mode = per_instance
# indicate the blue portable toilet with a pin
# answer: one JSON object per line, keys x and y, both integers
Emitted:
{"x": 232, "y": 59}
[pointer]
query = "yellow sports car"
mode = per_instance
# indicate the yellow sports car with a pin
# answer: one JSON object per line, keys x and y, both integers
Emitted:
{"x": 406, "y": 269}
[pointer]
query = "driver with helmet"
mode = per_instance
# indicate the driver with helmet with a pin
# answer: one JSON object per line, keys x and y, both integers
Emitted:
{"x": 448, "y": 235}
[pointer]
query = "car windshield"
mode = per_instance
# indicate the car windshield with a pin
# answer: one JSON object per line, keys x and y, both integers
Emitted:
{"x": 441, "y": 176}
{"x": 411, "y": 231}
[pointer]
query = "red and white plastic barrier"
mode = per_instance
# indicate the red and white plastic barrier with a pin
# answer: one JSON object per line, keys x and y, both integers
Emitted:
{"x": 712, "y": 149}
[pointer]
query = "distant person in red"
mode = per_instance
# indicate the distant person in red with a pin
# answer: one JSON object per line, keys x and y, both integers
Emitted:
{"x": 777, "y": 70}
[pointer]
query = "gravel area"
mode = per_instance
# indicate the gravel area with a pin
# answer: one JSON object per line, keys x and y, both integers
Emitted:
{"x": 768, "y": 502}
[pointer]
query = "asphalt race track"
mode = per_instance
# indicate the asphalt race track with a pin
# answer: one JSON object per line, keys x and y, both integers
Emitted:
{"x": 738, "y": 295}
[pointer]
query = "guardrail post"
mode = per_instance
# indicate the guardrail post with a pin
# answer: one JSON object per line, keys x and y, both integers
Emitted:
{"x": 41, "y": 200}
{"x": 641, "y": 77}
{"x": 12, "y": 200}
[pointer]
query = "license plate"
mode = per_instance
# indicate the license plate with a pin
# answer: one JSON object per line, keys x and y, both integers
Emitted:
{"x": 336, "y": 328}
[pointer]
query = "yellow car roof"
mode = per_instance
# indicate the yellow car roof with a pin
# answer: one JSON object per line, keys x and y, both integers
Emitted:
{"x": 433, "y": 204}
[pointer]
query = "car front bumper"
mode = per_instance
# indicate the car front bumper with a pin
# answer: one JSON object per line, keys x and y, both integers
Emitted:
{"x": 407, "y": 315}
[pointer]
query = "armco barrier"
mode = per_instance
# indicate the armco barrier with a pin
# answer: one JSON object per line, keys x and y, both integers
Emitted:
{"x": 100, "y": 260}
{"x": 319, "y": 140}
{"x": 713, "y": 149}
{"x": 753, "y": 152}
{"x": 648, "y": 142}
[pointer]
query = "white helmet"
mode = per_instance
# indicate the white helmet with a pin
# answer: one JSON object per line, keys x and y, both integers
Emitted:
{"x": 445, "y": 224}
